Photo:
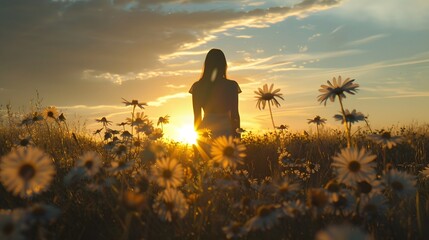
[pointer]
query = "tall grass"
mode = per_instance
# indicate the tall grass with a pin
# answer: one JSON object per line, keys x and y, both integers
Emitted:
{"x": 118, "y": 202}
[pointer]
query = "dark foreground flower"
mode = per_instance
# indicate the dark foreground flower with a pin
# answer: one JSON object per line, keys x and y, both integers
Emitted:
{"x": 265, "y": 95}
{"x": 317, "y": 120}
{"x": 386, "y": 139}
{"x": 169, "y": 204}
{"x": 351, "y": 117}
{"x": 337, "y": 88}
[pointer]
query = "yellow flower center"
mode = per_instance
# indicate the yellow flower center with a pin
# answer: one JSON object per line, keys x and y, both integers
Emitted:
{"x": 24, "y": 142}
{"x": 354, "y": 166}
{"x": 267, "y": 96}
{"x": 169, "y": 206}
{"x": 264, "y": 211}
{"x": 89, "y": 164}
{"x": 167, "y": 174}
{"x": 50, "y": 114}
{"x": 27, "y": 172}
{"x": 228, "y": 151}
{"x": 340, "y": 202}
{"x": 38, "y": 211}
{"x": 370, "y": 209}
{"x": 333, "y": 187}
{"x": 8, "y": 229}
{"x": 365, "y": 187}
{"x": 397, "y": 186}
{"x": 386, "y": 135}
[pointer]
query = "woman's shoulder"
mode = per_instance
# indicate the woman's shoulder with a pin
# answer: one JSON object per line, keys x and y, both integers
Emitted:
{"x": 194, "y": 86}
{"x": 233, "y": 84}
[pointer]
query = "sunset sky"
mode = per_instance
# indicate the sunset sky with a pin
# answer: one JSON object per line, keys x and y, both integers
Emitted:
{"x": 83, "y": 56}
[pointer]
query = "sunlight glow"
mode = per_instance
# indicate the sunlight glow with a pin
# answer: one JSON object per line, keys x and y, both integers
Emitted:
{"x": 187, "y": 134}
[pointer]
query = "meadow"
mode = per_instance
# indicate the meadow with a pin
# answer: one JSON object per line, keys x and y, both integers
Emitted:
{"x": 125, "y": 181}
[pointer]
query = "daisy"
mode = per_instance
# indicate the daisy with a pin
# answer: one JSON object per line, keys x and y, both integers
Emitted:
{"x": 163, "y": 120}
{"x": 11, "y": 227}
{"x": 268, "y": 95}
{"x": 26, "y": 171}
{"x": 317, "y": 198}
{"x": 285, "y": 188}
{"x": 371, "y": 187}
{"x": 42, "y": 213}
{"x": 156, "y": 134}
{"x": 138, "y": 120}
{"x": 24, "y": 141}
{"x": 126, "y": 135}
{"x": 36, "y": 117}
{"x": 294, "y": 208}
{"x": 400, "y": 183}
{"x": 265, "y": 95}
{"x": 342, "y": 203}
{"x": 167, "y": 172}
{"x": 134, "y": 201}
{"x": 425, "y": 172}
{"x": 353, "y": 166}
{"x": 227, "y": 152}
{"x": 373, "y": 206}
{"x": 267, "y": 216}
{"x": 134, "y": 103}
{"x": 91, "y": 162}
{"x": 385, "y": 139}
{"x": 234, "y": 230}
{"x": 317, "y": 120}
{"x": 104, "y": 121}
{"x": 120, "y": 165}
{"x": 344, "y": 231}
{"x": 351, "y": 117}
{"x": 337, "y": 88}
{"x": 170, "y": 203}
{"x": 50, "y": 113}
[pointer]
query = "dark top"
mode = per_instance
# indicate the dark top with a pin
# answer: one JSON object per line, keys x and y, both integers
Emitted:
{"x": 216, "y": 97}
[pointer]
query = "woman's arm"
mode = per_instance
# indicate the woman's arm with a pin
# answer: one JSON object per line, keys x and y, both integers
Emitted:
{"x": 197, "y": 112}
{"x": 235, "y": 116}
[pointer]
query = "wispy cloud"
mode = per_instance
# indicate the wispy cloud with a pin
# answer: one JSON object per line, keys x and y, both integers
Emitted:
{"x": 302, "y": 49}
{"x": 175, "y": 86}
{"x": 337, "y": 29}
{"x": 161, "y": 100}
{"x": 392, "y": 13}
{"x": 314, "y": 36}
{"x": 244, "y": 36}
{"x": 93, "y": 107}
{"x": 366, "y": 40}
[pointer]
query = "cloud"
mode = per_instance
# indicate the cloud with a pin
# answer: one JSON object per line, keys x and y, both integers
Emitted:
{"x": 366, "y": 40}
{"x": 175, "y": 86}
{"x": 161, "y": 100}
{"x": 244, "y": 36}
{"x": 302, "y": 49}
{"x": 337, "y": 29}
{"x": 314, "y": 36}
{"x": 393, "y": 13}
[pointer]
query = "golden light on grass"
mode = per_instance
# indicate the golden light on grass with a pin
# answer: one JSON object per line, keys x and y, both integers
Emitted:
{"x": 186, "y": 134}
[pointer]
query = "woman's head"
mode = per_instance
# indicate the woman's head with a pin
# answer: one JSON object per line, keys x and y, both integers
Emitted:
{"x": 214, "y": 65}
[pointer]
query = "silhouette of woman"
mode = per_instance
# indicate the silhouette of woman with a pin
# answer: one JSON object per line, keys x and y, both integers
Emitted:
{"x": 217, "y": 96}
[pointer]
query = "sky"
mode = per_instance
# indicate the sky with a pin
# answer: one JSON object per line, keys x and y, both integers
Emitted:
{"x": 84, "y": 56}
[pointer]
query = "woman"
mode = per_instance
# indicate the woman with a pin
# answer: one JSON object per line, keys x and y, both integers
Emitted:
{"x": 217, "y": 96}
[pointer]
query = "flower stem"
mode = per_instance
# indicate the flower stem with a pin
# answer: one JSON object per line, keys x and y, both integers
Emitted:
{"x": 345, "y": 123}
{"x": 271, "y": 114}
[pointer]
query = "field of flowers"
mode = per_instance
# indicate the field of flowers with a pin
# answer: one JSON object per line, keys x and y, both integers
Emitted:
{"x": 125, "y": 181}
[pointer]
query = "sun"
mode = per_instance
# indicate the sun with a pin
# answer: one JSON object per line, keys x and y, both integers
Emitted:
{"x": 187, "y": 134}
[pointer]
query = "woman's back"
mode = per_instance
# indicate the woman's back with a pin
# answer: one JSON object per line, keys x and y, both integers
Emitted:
{"x": 216, "y": 97}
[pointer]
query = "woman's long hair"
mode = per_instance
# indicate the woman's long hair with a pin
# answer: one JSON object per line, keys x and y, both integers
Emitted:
{"x": 214, "y": 66}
